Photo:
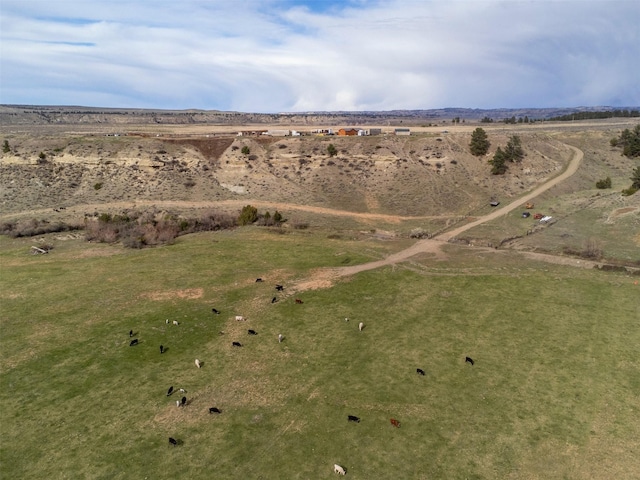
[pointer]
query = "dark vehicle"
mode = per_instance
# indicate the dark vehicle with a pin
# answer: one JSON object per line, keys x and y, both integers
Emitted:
{"x": 526, "y": 214}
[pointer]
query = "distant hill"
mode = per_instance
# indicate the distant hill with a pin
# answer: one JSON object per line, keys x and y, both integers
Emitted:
{"x": 70, "y": 115}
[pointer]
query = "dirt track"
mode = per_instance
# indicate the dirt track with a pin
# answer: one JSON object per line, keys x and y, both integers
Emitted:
{"x": 325, "y": 277}
{"x": 571, "y": 169}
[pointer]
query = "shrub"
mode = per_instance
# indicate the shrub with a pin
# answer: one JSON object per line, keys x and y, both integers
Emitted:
{"x": 97, "y": 186}
{"x": 245, "y": 150}
{"x": 5, "y": 147}
{"x": 331, "y": 150}
{"x": 602, "y": 184}
{"x": 249, "y": 214}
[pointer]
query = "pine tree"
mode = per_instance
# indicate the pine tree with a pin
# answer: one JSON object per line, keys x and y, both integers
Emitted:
{"x": 513, "y": 151}
{"x": 479, "y": 142}
{"x": 498, "y": 163}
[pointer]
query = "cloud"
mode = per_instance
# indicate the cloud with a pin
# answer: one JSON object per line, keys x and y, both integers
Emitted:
{"x": 297, "y": 55}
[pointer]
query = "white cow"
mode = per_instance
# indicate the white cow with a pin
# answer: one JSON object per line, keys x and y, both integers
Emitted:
{"x": 198, "y": 363}
{"x": 360, "y": 326}
{"x": 240, "y": 318}
{"x": 175, "y": 322}
{"x": 177, "y": 403}
{"x": 280, "y": 338}
{"x": 338, "y": 469}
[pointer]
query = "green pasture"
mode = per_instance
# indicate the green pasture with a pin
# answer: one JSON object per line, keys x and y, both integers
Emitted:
{"x": 554, "y": 392}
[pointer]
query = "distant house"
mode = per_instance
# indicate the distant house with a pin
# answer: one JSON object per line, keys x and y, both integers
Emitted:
{"x": 375, "y": 131}
{"x": 348, "y": 132}
{"x": 402, "y": 131}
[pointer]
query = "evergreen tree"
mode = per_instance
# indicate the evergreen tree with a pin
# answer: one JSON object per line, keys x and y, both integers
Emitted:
{"x": 498, "y": 163}
{"x": 248, "y": 215}
{"x": 513, "y": 151}
{"x": 479, "y": 142}
{"x": 635, "y": 179}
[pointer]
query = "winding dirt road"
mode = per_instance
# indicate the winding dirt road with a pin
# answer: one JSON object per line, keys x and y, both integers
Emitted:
{"x": 323, "y": 278}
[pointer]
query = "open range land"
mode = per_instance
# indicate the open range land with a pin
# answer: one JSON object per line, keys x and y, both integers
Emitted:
{"x": 392, "y": 231}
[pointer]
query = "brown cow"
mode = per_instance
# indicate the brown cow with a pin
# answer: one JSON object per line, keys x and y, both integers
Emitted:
{"x": 395, "y": 423}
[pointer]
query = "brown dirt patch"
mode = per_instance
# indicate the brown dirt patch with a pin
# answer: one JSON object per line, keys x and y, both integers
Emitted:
{"x": 190, "y": 293}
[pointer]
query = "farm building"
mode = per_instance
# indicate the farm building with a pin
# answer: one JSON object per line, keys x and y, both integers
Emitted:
{"x": 402, "y": 131}
{"x": 348, "y": 132}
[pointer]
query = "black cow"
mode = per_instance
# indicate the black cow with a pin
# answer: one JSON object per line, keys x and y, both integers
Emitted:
{"x": 252, "y": 332}
{"x": 353, "y": 418}
{"x": 170, "y": 391}
{"x": 420, "y": 371}
{"x": 130, "y": 333}
{"x": 173, "y": 441}
{"x": 161, "y": 349}
{"x": 217, "y": 312}
{"x": 258, "y": 280}
{"x": 274, "y": 300}
{"x": 214, "y": 410}
{"x": 183, "y": 402}
{"x": 279, "y": 288}
{"x": 133, "y": 342}
{"x": 236, "y": 344}
{"x": 468, "y": 360}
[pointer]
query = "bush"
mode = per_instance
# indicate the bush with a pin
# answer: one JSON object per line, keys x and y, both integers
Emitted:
{"x": 249, "y": 214}
{"x": 602, "y": 184}
{"x": 97, "y": 186}
{"x": 245, "y": 150}
{"x": 332, "y": 150}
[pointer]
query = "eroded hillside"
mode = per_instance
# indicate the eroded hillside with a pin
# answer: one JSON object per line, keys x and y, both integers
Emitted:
{"x": 424, "y": 174}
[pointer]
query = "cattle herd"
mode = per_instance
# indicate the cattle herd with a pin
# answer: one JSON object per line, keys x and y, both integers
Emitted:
{"x": 215, "y": 410}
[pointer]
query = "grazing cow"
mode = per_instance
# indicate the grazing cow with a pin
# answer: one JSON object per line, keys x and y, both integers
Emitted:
{"x": 133, "y": 342}
{"x": 420, "y": 371}
{"x": 173, "y": 441}
{"x": 258, "y": 280}
{"x": 170, "y": 391}
{"x": 279, "y": 288}
{"x": 252, "y": 332}
{"x": 468, "y": 360}
{"x": 280, "y": 338}
{"x": 217, "y": 312}
{"x": 167, "y": 321}
{"x": 130, "y": 333}
{"x": 360, "y": 326}
{"x": 183, "y": 402}
{"x": 298, "y": 301}
{"x": 395, "y": 423}
{"x": 353, "y": 418}
{"x": 198, "y": 364}
{"x": 339, "y": 470}
{"x": 346, "y": 319}
{"x": 177, "y": 403}
{"x": 182, "y": 390}
{"x": 274, "y": 300}
{"x": 175, "y": 322}
{"x": 236, "y": 344}
{"x": 240, "y": 318}
{"x": 214, "y": 410}
{"x": 161, "y": 349}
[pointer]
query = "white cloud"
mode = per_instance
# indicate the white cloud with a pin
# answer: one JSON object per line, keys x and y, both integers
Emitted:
{"x": 281, "y": 55}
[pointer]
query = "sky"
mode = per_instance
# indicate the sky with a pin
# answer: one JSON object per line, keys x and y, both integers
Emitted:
{"x": 272, "y": 56}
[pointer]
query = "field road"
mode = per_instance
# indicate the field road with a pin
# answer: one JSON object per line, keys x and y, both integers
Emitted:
{"x": 571, "y": 169}
{"x": 325, "y": 277}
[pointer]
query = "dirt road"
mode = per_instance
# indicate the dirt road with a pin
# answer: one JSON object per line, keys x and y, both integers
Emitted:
{"x": 325, "y": 277}
{"x": 571, "y": 169}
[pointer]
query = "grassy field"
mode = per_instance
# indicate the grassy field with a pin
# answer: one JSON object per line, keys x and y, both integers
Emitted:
{"x": 554, "y": 392}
